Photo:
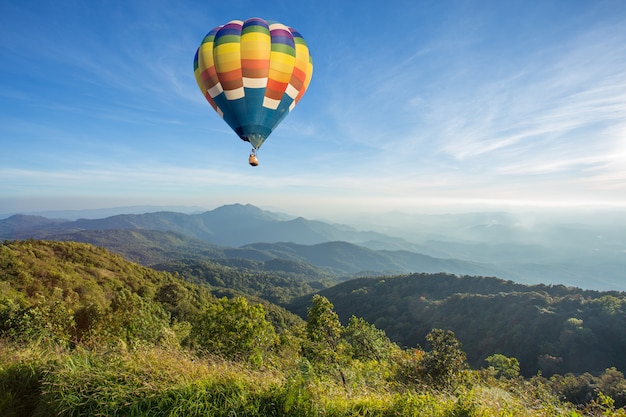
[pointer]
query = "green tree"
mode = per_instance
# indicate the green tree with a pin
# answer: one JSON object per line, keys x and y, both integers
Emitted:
{"x": 44, "y": 321}
{"x": 613, "y": 384}
{"x": 88, "y": 319}
{"x": 324, "y": 330}
{"x": 445, "y": 362}
{"x": 577, "y": 389}
{"x": 366, "y": 341}
{"x": 503, "y": 366}
{"x": 133, "y": 319}
{"x": 235, "y": 329}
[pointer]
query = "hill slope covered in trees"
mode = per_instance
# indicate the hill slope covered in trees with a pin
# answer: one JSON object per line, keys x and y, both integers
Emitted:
{"x": 552, "y": 329}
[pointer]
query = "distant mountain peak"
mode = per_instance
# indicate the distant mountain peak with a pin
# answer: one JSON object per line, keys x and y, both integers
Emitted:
{"x": 249, "y": 211}
{"x": 238, "y": 208}
{"x": 27, "y": 221}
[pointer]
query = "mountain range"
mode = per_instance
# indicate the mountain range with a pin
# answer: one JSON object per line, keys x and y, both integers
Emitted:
{"x": 232, "y": 225}
{"x": 486, "y": 244}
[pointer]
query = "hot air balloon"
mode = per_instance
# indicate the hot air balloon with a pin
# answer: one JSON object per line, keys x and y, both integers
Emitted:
{"x": 253, "y": 73}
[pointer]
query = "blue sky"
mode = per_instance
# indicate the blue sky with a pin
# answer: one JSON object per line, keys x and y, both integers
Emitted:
{"x": 415, "y": 106}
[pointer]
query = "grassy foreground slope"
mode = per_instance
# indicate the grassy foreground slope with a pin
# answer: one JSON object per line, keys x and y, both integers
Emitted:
{"x": 84, "y": 332}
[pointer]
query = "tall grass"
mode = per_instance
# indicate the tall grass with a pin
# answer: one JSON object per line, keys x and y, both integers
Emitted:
{"x": 21, "y": 371}
{"x": 153, "y": 381}
{"x": 150, "y": 381}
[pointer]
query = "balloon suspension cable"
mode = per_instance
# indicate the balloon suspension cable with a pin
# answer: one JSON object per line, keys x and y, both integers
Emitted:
{"x": 253, "y": 160}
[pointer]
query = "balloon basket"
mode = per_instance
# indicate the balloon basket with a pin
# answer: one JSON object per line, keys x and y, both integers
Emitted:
{"x": 253, "y": 160}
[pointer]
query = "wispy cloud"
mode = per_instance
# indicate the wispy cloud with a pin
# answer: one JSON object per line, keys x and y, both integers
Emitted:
{"x": 562, "y": 109}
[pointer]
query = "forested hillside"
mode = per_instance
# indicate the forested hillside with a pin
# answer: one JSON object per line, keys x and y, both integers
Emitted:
{"x": 86, "y": 332}
{"x": 278, "y": 281}
{"x": 552, "y": 329}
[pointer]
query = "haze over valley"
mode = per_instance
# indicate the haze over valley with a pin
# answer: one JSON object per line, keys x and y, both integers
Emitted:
{"x": 581, "y": 250}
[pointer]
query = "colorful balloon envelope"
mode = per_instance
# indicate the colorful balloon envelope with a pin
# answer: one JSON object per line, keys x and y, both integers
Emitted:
{"x": 253, "y": 73}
